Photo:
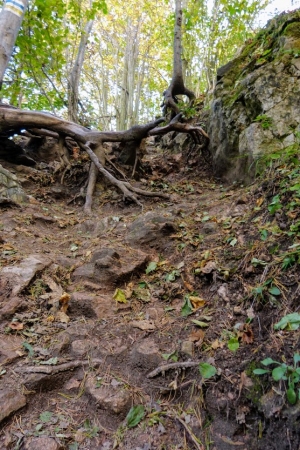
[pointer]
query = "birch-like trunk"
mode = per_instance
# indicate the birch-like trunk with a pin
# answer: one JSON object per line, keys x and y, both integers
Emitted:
{"x": 76, "y": 74}
{"x": 11, "y": 17}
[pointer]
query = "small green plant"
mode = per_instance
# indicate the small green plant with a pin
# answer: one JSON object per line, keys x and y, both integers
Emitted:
{"x": 264, "y": 120}
{"x": 90, "y": 430}
{"x": 282, "y": 371}
{"x": 207, "y": 370}
{"x": 266, "y": 291}
{"x": 275, "y": 205}
{"x": 290, "y": 322}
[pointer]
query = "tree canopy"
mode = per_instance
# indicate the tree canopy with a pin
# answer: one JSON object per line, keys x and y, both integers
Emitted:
{"x": 127, "y": 62}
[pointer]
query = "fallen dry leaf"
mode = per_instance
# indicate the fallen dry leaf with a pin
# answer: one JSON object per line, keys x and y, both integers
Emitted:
{"x": 16, "y": 326}
{"x": 245, "y": 381}
{"x": 129, "y": 290}
{"x": 8, "y": 247}
{"x": 119, "y": 296}
{"x": 72, "y": 384}
{"x": 217, "y": 344}
{"x": 64, "y": 302}
{"x": 247, "y": 334}
{"x": 50, "y": 318}
{"x": 197, "y": 336}
{"x": 197, "y": 302}
{"x": 188, "y": 285}
{"x": 209, "y": 267}
{"x": 62, "y": 317}
{"x": 145, "y": 325}
{"x": 259, "y": 201}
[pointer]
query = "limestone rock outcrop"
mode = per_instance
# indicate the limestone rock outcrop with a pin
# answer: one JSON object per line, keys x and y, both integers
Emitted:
{"x": 256, "y": 104}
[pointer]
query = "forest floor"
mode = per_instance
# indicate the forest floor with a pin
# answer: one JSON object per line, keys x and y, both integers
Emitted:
{"x": 140, "y": 329}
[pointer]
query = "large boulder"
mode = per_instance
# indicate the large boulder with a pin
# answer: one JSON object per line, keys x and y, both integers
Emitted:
{"x": 256, "y": 105}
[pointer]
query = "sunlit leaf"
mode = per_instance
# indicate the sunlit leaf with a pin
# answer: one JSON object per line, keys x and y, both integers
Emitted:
{"x": 290, "y": 321}
{"x": 207, "y": 370}
{"x": 279, "y": 372}
{"x": 260, "y": 371}
{"x": 233, "y": 344}
{"x": 120, "y": 296}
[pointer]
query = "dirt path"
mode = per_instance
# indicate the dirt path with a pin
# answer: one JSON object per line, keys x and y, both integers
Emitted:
{"x": 120, "y": 310}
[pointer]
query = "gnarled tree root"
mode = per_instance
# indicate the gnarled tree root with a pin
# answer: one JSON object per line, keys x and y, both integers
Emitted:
{"x": 127, "y": 189}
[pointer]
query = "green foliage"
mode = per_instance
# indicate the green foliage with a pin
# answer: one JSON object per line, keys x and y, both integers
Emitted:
{"x": 90, "y": 430}
{"x": 266, "y": 291}
{"x": 288, "y": 322}
{"x": 265, "y": 121}
{"x": 46, "y": 416}
{"x": 207, "y": 370}
{"x": 282, "y": 371}
{"x": 187, "y": 307}
{"x": 152, "y": 266}
{"x": 135, "y": 415}
{"x": 46, "y": 48}
{"x": 233, "y": 344}
{"x": 275, "y": 205}
{"x": 29, "y": 348}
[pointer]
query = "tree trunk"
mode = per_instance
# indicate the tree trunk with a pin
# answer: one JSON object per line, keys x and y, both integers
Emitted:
{"x": 76, "y": 73}
{"x": 11, "y": 17}
{"x": 177, "y": 86}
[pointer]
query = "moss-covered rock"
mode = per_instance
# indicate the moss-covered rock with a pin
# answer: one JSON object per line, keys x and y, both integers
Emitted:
{"x": 262, "y": 82}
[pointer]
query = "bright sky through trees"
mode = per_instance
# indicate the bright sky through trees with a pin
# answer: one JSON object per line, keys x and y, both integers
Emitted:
{"x": 276, "y": 7}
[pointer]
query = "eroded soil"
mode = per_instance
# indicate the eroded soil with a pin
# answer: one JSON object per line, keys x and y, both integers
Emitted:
{"x": 199, "y": 278}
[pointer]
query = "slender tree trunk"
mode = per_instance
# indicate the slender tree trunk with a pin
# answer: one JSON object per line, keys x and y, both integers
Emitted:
{"x": 76, "y": 73}
{"x": 11, "y": 17}
{"x": 177, "y": 86}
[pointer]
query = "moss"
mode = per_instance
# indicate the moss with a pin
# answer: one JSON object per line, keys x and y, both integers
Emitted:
{"x": 292, "y": 30}
{"x": 256, "y": 391}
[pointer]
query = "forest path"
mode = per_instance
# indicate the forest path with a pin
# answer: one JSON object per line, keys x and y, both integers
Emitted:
{"x": 100, "y": 302}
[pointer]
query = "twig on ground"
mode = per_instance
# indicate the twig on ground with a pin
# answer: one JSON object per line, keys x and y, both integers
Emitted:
{"x": 177, "y": 365}
{"x": 52, "y": 370}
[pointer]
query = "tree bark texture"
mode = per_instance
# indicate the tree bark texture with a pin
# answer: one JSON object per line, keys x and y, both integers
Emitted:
{"x": 11, "y": 17}
{"x": 176, "y": 86}
{"x": 76, "y": 73}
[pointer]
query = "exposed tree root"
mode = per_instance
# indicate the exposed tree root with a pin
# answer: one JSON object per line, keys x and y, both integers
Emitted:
{"x": 13, "y": 120}
{"x": 176, "y": 86}
{"x": 124, "y": 186}
{"x": 196, "y": 132}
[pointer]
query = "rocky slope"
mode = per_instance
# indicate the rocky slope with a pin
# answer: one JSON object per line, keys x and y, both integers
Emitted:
{"x": 255, "y": 110}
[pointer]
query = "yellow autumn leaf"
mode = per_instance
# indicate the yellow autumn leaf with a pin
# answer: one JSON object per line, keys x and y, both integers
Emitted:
{"x": 197, "y": 302}
{"x": 119, "y": 296}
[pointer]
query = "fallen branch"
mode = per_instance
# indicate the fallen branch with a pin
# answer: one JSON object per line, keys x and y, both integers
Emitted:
{"x": 172, "y": 366}
{"x": 52, "y": 370}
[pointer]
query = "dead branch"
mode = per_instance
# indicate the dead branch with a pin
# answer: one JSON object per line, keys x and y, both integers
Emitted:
{"x": 177, "y": 365}
{"x": 52, "y": 370}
